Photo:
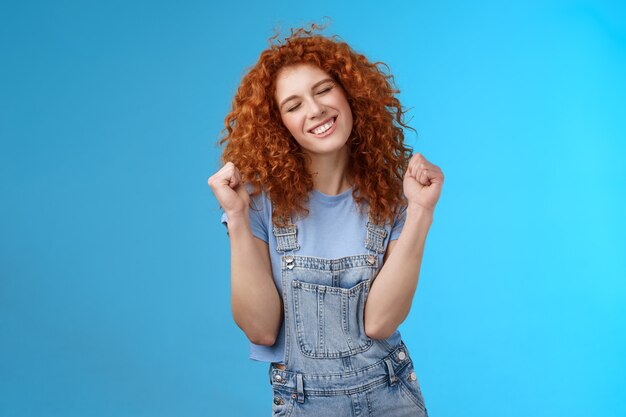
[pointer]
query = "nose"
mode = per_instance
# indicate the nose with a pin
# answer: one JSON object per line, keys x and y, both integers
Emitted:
{"x": 316, "y": 109}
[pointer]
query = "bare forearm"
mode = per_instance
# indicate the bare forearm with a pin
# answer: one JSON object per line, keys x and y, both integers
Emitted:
{"x": 255, "y": 301}
{"x": 391, "y": 295}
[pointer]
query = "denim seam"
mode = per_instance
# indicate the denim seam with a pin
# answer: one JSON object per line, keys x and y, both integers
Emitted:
{"x": 374, "y": 383}
{"x": 286, "y": 317}
{"x": 333, "y": 392}
{"x": 399, "y": 367}
{"x": 330, "y": 265}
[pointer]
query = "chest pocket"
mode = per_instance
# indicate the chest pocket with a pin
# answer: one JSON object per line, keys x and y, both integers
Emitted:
{"x": 329, "y": 319}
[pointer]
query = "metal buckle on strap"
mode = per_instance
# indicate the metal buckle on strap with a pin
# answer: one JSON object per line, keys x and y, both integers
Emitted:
{"x": 286, "y": 238}
{"x": 289, "y": 261}
{"x": 375, "y": 238}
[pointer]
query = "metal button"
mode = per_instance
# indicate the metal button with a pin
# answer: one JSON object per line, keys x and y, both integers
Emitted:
{"x": 293, "y": 395}
{"x": 289, "y": 259}
{"x": 412, "y": 377}
{"x": 278, "y": 401}
{"x": 371, "y": 259}
{"x": 277, "y": 377}
{"x": 401, "y": 355}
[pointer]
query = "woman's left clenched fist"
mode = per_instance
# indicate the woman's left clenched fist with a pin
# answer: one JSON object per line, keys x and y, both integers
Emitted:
{"x": 422, "y": 183}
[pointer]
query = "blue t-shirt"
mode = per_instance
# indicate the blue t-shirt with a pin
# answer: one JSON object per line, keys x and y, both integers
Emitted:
{"x": 334, "y": 228}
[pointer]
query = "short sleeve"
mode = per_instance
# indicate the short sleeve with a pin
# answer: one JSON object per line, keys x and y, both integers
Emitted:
{"x": 398, "y": 225}
{"x": 259, "y": 215}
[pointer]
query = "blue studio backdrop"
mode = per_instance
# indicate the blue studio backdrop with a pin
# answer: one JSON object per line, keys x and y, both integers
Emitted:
{"x": 114, "y": 267}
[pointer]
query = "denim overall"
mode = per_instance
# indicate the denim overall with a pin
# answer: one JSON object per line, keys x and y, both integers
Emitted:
{"x": 331, "y": 367}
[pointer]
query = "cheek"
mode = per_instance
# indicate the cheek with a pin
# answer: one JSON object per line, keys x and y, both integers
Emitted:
{"x": 349, "y": 112}
{"x": 349, "y": 118}
{"x": 292, "y": 124}
{"x": 345, "y": 108}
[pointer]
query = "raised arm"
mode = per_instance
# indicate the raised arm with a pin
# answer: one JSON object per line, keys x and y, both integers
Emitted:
{"x": 255, "y": 302}
{"x": 391, "y": 295}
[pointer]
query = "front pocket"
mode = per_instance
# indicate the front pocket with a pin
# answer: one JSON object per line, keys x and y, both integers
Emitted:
{"x": 410, "y": 386}
{"x": 329, "y": 320}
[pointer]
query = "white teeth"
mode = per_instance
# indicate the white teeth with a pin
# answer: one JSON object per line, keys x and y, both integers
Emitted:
{"x": 323, "y": 128}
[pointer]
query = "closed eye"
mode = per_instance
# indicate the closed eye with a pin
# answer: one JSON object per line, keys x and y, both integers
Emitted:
{"x": 325, "y": 90}
{"x": 292, "y": 108}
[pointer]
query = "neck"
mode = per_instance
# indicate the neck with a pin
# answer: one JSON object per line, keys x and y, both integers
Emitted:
{"x": 329, "y": 172}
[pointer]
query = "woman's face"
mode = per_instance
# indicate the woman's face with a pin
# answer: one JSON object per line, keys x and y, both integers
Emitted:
{"x": 314, "y": 108}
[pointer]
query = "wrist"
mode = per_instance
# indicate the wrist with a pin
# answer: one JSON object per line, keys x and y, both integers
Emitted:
{"x": 238, "y": 220}
{"x": 418, "y": 219}
{"x": 419, "y": 212}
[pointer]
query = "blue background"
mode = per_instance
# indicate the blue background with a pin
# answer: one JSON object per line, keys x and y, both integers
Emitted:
{"x": 114, "y": 271}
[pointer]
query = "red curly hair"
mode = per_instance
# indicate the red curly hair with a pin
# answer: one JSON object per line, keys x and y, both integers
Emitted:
{"x": 268, "y": 157}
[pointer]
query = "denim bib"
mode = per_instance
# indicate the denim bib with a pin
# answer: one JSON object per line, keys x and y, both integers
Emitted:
{"x": 329, "y": 359}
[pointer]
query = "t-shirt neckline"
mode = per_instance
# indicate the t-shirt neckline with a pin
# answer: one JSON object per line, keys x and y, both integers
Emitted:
{"x": 327, "y": 197}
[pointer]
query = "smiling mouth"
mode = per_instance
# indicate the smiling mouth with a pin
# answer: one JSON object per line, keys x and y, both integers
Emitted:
{"x": 320, "y": 130}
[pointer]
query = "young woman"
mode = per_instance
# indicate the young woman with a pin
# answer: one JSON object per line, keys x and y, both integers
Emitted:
{"x": 327, "y": 214}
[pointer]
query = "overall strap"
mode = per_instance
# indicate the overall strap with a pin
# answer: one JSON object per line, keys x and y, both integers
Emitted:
{"x": 286, "y": 237}
{"x": 376, "y": 234}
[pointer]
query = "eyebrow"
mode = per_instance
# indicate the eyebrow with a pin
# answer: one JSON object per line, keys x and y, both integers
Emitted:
{"x": 317, "y": 84}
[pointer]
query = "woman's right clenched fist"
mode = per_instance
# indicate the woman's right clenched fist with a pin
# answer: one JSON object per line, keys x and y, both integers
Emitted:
{"x": 229, "y": 190}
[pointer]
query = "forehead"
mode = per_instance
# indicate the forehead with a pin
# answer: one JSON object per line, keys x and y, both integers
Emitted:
{"x": 295, "y": 79}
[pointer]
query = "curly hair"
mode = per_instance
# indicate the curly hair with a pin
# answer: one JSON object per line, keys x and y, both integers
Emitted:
{"x": 268, "y": 157}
